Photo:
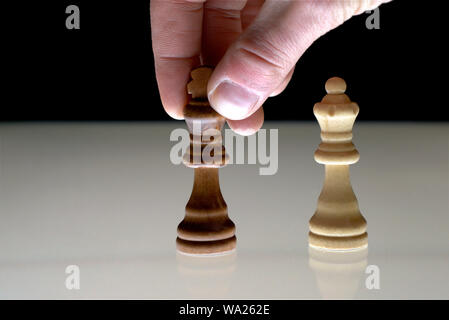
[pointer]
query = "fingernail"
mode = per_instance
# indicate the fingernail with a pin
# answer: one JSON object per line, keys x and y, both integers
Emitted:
{"x": 232, "y": 101}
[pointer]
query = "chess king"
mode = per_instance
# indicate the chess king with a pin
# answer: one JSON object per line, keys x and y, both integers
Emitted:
{"x": 337, "y": 223}
{"x": 206, "y": 228}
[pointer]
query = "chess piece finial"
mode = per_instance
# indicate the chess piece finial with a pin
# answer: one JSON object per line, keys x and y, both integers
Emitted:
{"x": 337, "y": 223}
{"x": 206, "y": 228}
{"x": 335, "y": 85}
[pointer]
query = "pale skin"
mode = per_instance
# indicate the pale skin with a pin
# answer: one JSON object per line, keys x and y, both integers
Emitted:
{"x": 253, "y": 44}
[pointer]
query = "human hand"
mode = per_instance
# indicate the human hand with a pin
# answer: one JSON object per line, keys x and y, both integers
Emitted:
{"x": 254, "y": 45}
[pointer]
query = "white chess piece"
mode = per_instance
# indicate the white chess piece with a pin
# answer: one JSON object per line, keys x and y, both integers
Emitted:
{"x": 337, "y": 223}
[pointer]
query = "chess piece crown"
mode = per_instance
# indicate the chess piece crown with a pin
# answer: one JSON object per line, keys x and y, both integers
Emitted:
{"x": 337, "y": 223}
{"x": 336, "y": 115}
{"x": 204, "y": 124}
{"x": 206, "y": 228}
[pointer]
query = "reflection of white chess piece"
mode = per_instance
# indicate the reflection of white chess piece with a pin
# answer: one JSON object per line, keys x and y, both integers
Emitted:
{"x": 338, "y": 273}
{"x": 337, "y": 223}
{"x": 206, "y": 277}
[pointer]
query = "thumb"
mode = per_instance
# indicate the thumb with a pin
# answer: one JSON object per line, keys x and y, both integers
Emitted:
{"x": 260, "y": 60}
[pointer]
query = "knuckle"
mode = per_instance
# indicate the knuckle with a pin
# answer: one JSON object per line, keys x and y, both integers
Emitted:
{"x": 273, "y": 48}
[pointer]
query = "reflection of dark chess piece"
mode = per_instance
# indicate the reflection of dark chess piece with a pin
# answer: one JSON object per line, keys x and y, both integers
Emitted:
{"x": 206, "y": 228}
{"x": 337, "y": 223}
{"x": 338, "y": 273}
{"x": 206, "y": 277}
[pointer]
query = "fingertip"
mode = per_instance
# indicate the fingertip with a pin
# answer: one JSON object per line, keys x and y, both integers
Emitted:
{"x": 175, "y": 114}
{"x": 174, "y": 105}
{"x": 279, "y": 90}
{"x": 232, "y": 100}
{"x": 248, "y": 126}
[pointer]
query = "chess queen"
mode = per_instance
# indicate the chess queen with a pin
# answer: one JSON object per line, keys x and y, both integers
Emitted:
{"x": 337, "y": 223}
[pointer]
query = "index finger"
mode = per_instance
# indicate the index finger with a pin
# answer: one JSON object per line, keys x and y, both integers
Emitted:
{"x": 176, "y": 27}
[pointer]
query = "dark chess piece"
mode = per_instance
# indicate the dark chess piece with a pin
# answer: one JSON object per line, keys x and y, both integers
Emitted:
{"x": 206, "y": 228}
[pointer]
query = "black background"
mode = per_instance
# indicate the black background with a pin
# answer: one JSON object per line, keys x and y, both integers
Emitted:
{"x": 104, "y": 71}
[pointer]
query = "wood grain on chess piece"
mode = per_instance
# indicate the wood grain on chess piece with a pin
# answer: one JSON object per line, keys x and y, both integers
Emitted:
{"x": 337, "y": 223}
{"x": 206, "y": 228}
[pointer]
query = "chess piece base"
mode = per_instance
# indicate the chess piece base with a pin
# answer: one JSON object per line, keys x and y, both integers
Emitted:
{"x": 217, "y": 247}
{"x": 206, "y": 228}
{"x": 338, "y": 243}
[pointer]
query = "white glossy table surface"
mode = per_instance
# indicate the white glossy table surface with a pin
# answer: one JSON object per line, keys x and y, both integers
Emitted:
{"x": 105, "y": 197}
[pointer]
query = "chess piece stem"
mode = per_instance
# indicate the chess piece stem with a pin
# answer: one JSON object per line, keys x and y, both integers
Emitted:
{"x": 337, "y": 223}
{"x": 206, "y": 212}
